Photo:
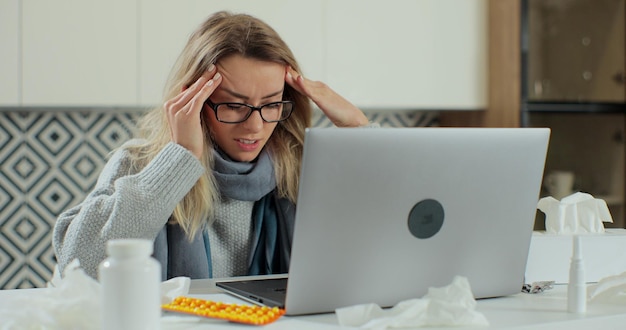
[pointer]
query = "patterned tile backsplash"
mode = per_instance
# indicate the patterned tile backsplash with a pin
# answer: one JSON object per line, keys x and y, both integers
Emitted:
{"x": 49, "y": 161}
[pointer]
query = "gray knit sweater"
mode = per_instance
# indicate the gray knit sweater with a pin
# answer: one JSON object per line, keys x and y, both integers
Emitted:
{"x": 125, "y": 204}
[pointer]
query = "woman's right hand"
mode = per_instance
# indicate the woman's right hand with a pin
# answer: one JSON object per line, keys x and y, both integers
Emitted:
{"x": 183, "y": 112}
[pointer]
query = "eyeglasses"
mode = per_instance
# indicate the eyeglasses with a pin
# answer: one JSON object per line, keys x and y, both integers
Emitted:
{"x": 233, "y": 113}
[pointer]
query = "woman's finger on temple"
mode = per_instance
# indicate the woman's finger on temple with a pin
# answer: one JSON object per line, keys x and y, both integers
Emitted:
{"x": 203, "y": 93}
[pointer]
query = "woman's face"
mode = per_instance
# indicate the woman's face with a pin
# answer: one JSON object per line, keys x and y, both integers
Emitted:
{"x": 248, "y": 81}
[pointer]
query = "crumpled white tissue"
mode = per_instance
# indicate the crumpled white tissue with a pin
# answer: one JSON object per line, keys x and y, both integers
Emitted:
{"x": 610, "y": 289}
{"x": 70, "y": 302}
{"x": 574, "y": 214}
{"x": 174, "y": 287}
{"x": 452, "y": 305}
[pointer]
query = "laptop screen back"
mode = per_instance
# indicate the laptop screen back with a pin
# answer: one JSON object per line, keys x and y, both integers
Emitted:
{"x": 384, "y": 214}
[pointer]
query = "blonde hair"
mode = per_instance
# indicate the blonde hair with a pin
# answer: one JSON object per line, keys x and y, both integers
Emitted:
{"x": 221, "y": 35}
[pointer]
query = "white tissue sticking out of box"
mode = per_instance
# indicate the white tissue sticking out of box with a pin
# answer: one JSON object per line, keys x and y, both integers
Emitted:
{"x": 574, "y": 214}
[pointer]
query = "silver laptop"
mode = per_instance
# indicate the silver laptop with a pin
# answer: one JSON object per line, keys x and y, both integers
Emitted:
{"x": 383, "y": 214}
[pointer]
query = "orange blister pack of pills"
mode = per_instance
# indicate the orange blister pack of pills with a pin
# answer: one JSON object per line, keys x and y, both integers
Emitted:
{"x": 247, "y": 314}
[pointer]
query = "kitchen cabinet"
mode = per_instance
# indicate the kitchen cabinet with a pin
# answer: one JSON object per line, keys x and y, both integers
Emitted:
{"x": 409, "y": 54}
{"x": 394, "y": 55}
{"x": 592, "y": 146}
{"x": 165, "y": 26}
{"x": 581, "y": 96}
{"x": 9, "y": 53}
{"x": 428, "y": 54}
{"x": 592, "y": 35}
{"x": 79, "y": 53}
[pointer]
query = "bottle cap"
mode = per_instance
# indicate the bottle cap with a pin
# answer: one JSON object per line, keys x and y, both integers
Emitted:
{"x": 129, "y": 247}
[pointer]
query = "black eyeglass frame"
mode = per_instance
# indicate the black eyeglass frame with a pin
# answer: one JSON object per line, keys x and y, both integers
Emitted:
{"x": 252, "y": 108}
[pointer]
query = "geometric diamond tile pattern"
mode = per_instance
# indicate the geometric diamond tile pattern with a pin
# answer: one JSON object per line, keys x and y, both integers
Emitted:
{"x": 50, "y": 160}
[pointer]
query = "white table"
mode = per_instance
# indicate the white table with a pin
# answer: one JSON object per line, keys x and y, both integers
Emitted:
{"x": 545, "y": 310}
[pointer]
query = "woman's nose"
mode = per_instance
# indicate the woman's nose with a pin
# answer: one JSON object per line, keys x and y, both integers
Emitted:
{"x": 254, "y": 123}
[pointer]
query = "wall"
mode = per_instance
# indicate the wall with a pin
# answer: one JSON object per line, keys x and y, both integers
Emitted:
{"x": 50, "y": 160}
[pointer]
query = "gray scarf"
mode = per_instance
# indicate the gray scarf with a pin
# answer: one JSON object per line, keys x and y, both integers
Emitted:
{"x": 244, "y": 181}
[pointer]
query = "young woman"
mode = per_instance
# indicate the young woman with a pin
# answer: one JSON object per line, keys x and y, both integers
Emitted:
{"x": 213, "y": 177}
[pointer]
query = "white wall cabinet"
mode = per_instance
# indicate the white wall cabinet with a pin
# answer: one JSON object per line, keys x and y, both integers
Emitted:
{"x": 408, "y": 54}
{"x": 79, "y": 53}
{"x": 9, "y": 53}
{"x": 166, "y": 25}
{"x": 404, "y": 54}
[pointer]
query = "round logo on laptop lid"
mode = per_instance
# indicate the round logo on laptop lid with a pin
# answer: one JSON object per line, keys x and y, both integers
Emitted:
{"x": 426, "y": 218}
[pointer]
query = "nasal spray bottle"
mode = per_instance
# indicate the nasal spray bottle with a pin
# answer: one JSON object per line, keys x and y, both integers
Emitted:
{"x": 577, "y": 289}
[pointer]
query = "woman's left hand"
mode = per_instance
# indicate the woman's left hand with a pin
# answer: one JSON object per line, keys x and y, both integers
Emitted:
{"x": 339, "y": 110}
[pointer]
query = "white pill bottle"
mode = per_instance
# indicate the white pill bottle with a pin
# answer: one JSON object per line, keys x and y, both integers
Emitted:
{"x": 131, "y": 286}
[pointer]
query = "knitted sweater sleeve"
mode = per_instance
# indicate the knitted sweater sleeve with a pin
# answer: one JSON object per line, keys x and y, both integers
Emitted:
{"x": 124, "y": 205}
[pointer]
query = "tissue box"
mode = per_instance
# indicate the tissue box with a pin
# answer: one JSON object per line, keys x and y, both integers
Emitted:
{"x": 604, "y": 254}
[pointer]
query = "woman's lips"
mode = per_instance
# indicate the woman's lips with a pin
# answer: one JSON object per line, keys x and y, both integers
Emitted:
{"x": 247, "y": 145}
